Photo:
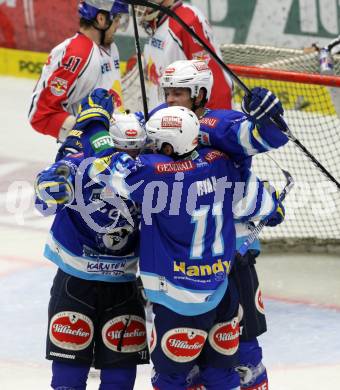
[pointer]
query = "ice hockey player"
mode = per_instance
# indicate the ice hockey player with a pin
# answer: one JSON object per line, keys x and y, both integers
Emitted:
{"x": 85, "y": 61}
{"x": 170, "y": 42}
{"x": 95, "y": 314}
{"x": 187, "y": 239}
{"x": 188, "y": 83}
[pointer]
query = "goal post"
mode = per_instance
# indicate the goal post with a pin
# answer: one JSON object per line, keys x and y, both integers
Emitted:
{"x": 312, "y": 111}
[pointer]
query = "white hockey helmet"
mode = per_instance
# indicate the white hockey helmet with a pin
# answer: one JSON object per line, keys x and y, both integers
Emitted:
{"x": 177, "y": 126}
{"x": 126, "y": 132}
{"x": 193, "y": 74}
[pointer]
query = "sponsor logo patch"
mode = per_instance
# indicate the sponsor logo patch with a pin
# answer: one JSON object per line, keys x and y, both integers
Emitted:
{"x": 104, "y": 268}
{"x": 171, "y": 122}
{"x": 209, "y": 122}
{"x": 201, "y": 66}
{"x": 71, "y": 330}
{"x": 131, "y": 132}
{"x": 158, "y": 43}
{"x": 173, "y": 167}
{"x": 183, "y": 345}
{"x": 258, "y": 301}
{"x": 125, "y": 333}
{"x": 224, "y": 337}
{"x": 58, "y": 86}
{"x": 215, "y": 155}
{"x": 204, "y": 138}
{"x": 170, "y": 70}
{"x": 62, "y": 355}
{"x": 101, "y": 141}
{"x": 218, "y": 268}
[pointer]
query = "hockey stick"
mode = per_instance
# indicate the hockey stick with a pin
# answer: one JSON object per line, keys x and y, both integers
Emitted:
{"x": 140, "y": 65}
{"x": 256, "y": 232}
{"x": 333, "y": 43}
{"x": 277, "y": 120}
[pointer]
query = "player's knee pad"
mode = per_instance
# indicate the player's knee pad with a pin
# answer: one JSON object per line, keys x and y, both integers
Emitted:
{"x": 173, "y": 381}
{"x": 253, "y": 374}
{"x": 117, "y": 378}
{"x": 69, "y": 376}
{"x": 219, "y": 378}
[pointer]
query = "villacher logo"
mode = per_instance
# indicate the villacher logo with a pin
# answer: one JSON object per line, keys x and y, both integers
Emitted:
{"x": 71, "y": 330}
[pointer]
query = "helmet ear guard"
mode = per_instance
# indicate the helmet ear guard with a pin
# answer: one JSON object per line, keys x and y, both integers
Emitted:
{"x": 176, "y": 126}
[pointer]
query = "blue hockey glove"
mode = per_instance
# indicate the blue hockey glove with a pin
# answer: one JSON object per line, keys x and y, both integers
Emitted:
{"x": 53, "y": 186}
{"x": 261, "y": 105}
{"x": 278, "y": 215}
{"x": 71, "y": 145}
{"x": 98, "y": 106}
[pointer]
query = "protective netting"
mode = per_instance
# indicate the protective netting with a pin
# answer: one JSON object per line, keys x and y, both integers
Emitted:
{"x": 313, "y": 206}
{"x": 275, "y": 58}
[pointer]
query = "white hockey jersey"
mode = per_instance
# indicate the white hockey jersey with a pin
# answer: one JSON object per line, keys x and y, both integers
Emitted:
{"x": 171, "y": 43}
{"x": 73, "y": 69}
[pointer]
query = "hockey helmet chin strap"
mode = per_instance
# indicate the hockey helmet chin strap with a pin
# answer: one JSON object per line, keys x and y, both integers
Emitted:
{"x": 102, "y": 31}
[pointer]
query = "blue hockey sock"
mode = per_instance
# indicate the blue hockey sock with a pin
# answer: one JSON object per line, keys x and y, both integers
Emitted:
{"x": 219, "y": 378}
{"x": 68, "y": 376}
{"x": 252, "y": 372}
{"x": 162, "y": 381}
{"x": 117, "y": 378}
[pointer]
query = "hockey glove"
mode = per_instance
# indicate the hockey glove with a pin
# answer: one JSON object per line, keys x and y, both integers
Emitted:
{"x": 98, "y": 106}
{"x": 278, "y": 215}
{"x": 261, "y": 105}
{"x": 53, "y": 186}
{"x": 71, "y": 145}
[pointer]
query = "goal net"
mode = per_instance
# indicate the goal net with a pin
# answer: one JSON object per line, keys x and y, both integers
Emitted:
{"x": 312, "y": 111}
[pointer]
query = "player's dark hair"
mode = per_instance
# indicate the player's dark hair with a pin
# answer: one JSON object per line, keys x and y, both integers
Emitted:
{"x": 86, "y": 24}
{"x": 202, "y": 103}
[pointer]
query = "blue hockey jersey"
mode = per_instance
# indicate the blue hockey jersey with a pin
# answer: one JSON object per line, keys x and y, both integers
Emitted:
{"x": 91, "y": 239}
{"x": 233, "y": 133}
{"x": 187, "y": 225}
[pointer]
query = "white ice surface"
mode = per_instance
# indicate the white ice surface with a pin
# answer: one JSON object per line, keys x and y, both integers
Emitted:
{"x": 301, "y": 292}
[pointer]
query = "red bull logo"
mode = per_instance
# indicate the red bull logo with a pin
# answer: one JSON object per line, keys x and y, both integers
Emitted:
{"x": 116, "y": 98}
{"x": 58, "y": 86}
{"x": 151, "y": 73}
